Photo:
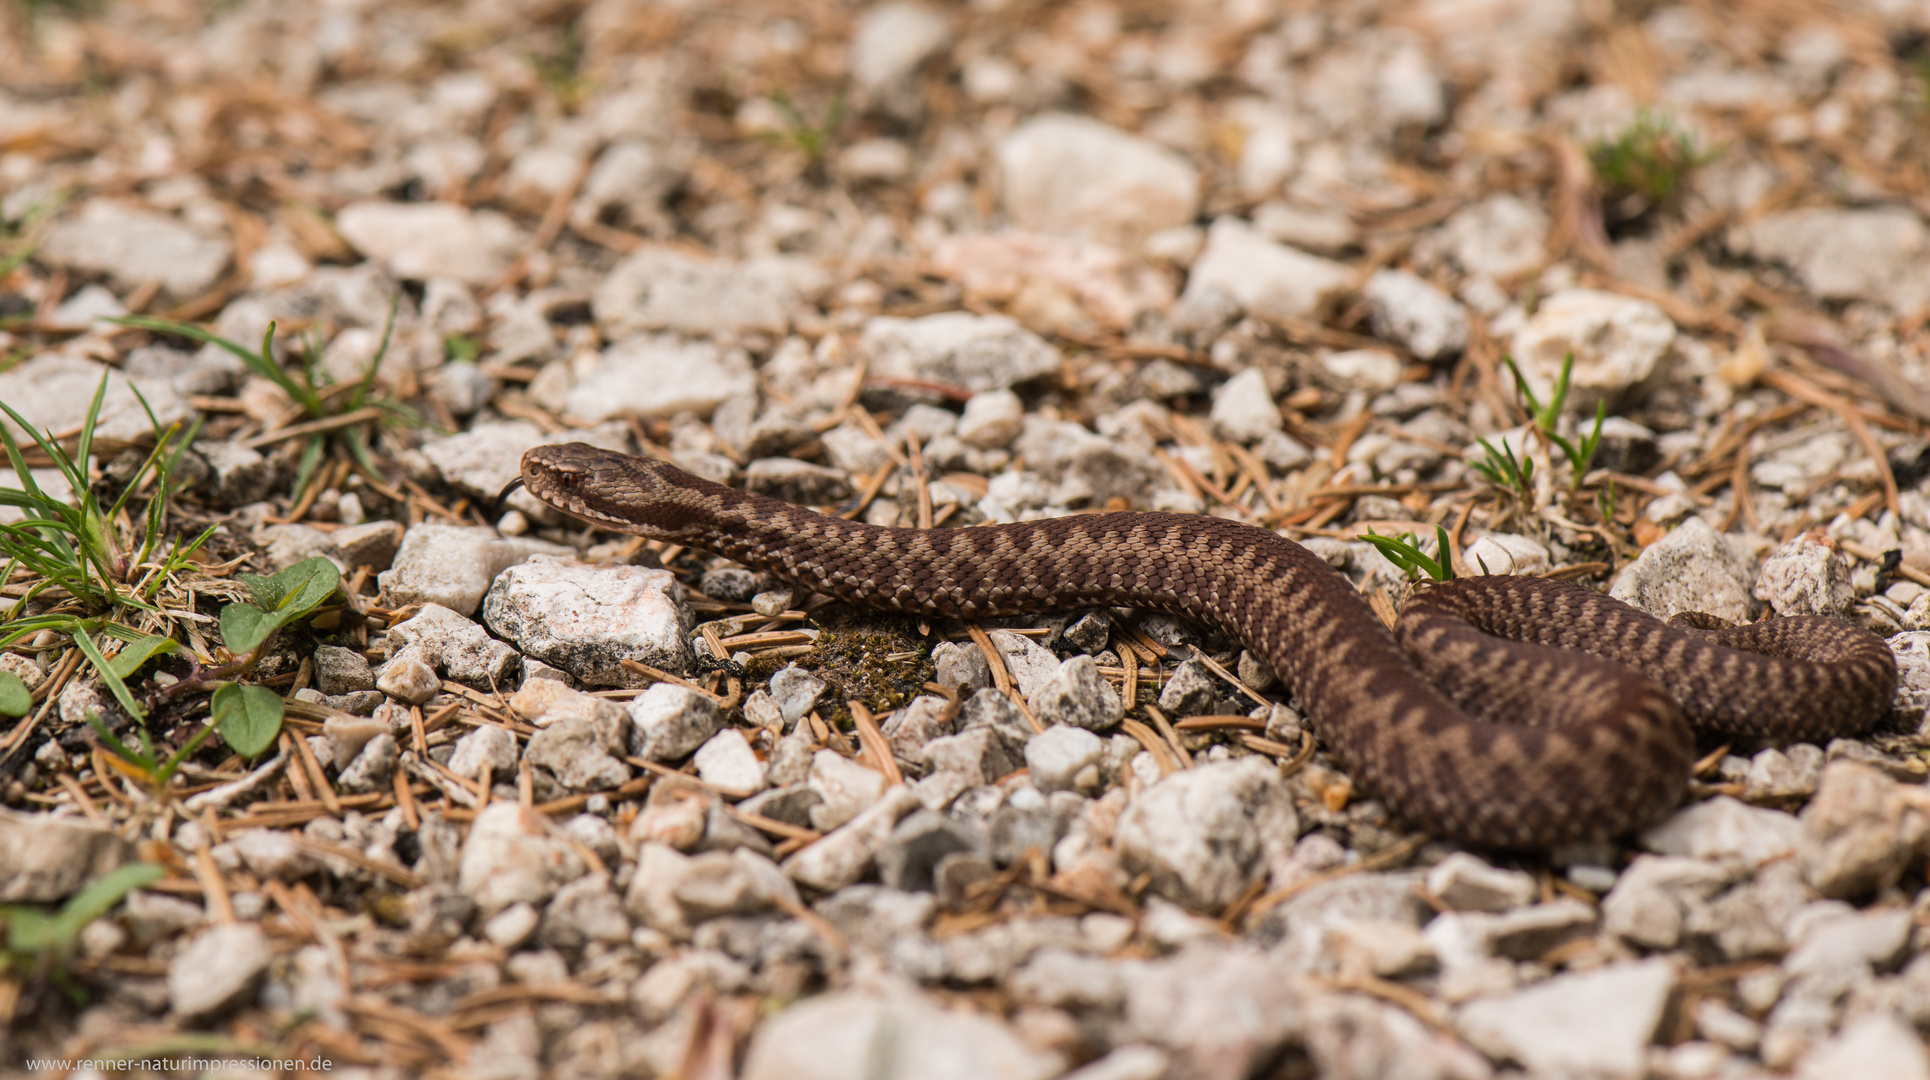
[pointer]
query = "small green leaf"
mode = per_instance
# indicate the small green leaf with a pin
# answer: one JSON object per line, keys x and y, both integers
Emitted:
{"x": 249, "y": 717}
{"x": 115, "y": 684}
{"x": 244, "y": 627}
{"x": 280, "y": 599}
{"x": 139, "y": 651}
{"x": 309, "y": 584}
{"x": 298, "y": 588}
{"x": 15, "y": 698}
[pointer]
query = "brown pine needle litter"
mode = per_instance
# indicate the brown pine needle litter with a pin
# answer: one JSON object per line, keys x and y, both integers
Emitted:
{"x": 531, "y": 797}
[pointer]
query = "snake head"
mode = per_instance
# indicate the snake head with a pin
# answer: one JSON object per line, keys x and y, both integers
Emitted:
{"x": 616, "y": 491}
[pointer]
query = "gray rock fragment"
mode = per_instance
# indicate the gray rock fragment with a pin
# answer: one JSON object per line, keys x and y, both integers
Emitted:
{"x": 844, "y": 856}
{"x": 796, "y": 692}
{"x": 1064, "y": 758}
{"x": 1075, "y": 176}
{"x": 903, "y": 1035}
{"x": 1650, "y": 902}
{"x": 487, "y": 745}
{"x": 373, "y": 767}
{"x": 132, "y": 246}
{"x": 417, "y": 241}
{"x": 1243, "y": 408}
{"x": 662, "y": 288}
{"x": 1464, "y": 883}
{"x": 584, "y": 911}
{"x": 1192, "y": 690}
{"x": 456, "y": 646}
{"x": 962, "y": 666}
{"x": 511, "y": 855}
{"x": 1693, "y": 568}
{"x": 727, "y": 761}
{"x": 342, "y": 671}
{"x": 1205, "y": 832}
{"x": 668, "y": 721}
{"x": 582, "y": 753}
{"x": 1861, "y": 830}
{"x": 1594, "y": 1023}
{"x": 911, "y": 729}
{"x": 1268, "y": 279}
{"x": 1402, "y": 307}
{"x": 974, "y": 352}
{"x": 409, "y": 676}
{"x": 1724, "y": 828}
{"x": 1177, "y": 1003}
{"x": 1806, "y": 576}
{"x": 588, "y": 619}
{"x": 45, "y": 859}
{"x": 909, "y": 858}
{"x": 1077, "y": 695}
{"x": 217, "y": 969}
{"x": 240, "y": 475}
{"x": 53, "y": 391}
{"x": 453, "y": 565}
{"x": 846, "y": 788}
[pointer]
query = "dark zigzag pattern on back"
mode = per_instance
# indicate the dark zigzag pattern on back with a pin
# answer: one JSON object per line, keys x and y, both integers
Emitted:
{"x": 1514, "y": 712}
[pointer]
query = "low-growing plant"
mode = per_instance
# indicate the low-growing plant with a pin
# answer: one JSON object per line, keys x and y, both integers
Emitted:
{"x": 92, "y": 573}
{"x": 248, "y": 718}
{"x": 560, "y": 68}
{"x": 1647, "y": 161}
{"x": 41, "y": 943}
{"x": 1405, "y": 552}
{"x": 1580, "y": 454}
{"x": 814, "y": 140}
{"x": 78, "y": 545}
{"x": 1502, "y": 469}
{"x": 310, "y": 387}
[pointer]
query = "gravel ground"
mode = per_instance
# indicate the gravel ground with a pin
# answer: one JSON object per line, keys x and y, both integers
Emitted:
{"x": 553, "y": 802}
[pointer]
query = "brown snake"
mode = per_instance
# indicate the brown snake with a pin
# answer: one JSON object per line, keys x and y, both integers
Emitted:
{"x": 1506, "y": 711}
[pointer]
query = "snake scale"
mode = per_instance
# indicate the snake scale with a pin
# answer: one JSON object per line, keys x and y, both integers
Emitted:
{"x": 1504, "y": 711}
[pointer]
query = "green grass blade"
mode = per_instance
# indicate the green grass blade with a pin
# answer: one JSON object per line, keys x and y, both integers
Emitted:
{"x": 14, "y": 456}
{"x": 100, "y": 897}
{"x": 84, "y": 449}
{"x": 261, "y": 363}
{"x": 311, "y": 458}
{"x": 114, "y": 682}
{"x": 1561, "y": 393}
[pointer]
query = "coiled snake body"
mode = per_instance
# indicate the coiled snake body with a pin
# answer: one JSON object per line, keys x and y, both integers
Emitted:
{"x": 1504, "y": 711}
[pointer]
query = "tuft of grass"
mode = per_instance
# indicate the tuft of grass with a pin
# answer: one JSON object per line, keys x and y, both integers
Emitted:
{"x": 1648, "y": 160}
{"x": 92, "y": 572}
{"x": 560, "y": 70}
{"x": 1405, "y": 552}
{"x": 310, "y": 387}
{"x": 813, "y": 140}
{"x": 81, "y": 547}
{"x": 1580, "y": 454}
{"x": 1502, "y": 469}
